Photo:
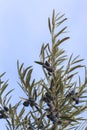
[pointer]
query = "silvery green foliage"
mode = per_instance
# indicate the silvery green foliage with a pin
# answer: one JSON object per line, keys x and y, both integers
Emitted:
{"x": 56, "y": 101}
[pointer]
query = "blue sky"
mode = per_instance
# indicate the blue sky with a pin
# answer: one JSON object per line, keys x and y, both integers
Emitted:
{"x": 24, "y": 27}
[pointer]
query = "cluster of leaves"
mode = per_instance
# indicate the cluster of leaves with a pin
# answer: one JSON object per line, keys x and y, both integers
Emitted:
{"x": 54, "y": 102}
{"x": 63, "y": 94}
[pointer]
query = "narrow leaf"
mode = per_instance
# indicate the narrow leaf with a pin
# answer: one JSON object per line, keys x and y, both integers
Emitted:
{"x": 58, "y": 18}
{"x": 60, "y": 32}
{"x": 49, "y": 24}
{"x": 2, "y": 74}
{"x": 28, "y": 77}
{"x": 40, "y": 63}
{"x": 61, "y": 41}
{"x": 59, "y": 23}
{"x": 3, "y": 87}
{"x": 73, "y": 68}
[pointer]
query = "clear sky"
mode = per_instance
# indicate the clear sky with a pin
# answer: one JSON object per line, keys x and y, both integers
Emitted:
{"x": 24, "y": 27}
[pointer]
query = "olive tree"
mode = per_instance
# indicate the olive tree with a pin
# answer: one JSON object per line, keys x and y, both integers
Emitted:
{"x": 57, "y": 100}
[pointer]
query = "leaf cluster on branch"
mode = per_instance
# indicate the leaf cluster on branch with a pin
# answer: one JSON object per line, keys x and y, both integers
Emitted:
{"x": 56, "y": 101}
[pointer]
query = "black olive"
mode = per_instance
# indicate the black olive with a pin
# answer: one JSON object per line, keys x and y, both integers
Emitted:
{"x": 76, "y": 99}
{"x": 6, "y": 108}
{"x": 1, "y": 111}
{"x": 1, "y": 116}
{"x": 48, "y": 95}
{"x": 70, "y": 93}
{"x": 59, "y": 122}
{"x": 47, "y": 63}
{"x": 45, "y": 99}
{"x": 26, "y": 103}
